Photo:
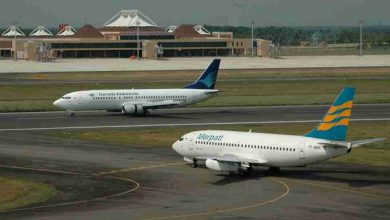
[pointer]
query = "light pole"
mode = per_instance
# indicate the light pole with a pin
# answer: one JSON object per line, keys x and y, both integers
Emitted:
{"x": 138, "y": 39}
{"x": 15, "y": 51}
{"x": 361, "y": 38}
{"x": 253, "y": 52}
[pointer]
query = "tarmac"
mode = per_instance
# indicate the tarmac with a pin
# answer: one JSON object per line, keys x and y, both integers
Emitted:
{"x": 195, "y": 63}
{"x": 106, "y": 181}
{"x": 60, "y": 120}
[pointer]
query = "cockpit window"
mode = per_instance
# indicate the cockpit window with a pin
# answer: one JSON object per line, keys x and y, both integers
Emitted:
{"x": 181, "y": 138}
{"x": 65, "y": 97}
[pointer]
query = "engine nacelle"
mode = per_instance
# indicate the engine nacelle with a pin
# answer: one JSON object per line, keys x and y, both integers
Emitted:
{"x": 221, "y": 166}
{"x": 133, "y": 109}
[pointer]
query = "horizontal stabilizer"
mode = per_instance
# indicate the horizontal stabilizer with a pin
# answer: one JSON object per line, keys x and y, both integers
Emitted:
{"x": 367, "y": 141}
{"x": 211, "y": 91}
{"x": 336, "y": 144}
{"x": 352, "y": 144}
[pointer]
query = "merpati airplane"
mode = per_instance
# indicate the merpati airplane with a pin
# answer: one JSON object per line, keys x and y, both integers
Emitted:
{"x": 140, "y": 101}
{"x": 233, "y": 151}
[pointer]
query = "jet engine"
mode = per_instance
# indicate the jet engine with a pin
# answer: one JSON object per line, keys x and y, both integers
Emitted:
{"x": 221, "y": 166}
{"x": 133, "y": 109}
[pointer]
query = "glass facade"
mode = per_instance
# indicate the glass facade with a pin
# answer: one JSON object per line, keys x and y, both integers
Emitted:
{"x": 193, "y": 44}
{"x": 92, "y": 45}
{"x": 151, "y": 37}
{"x": 196, "y": 52}
{"x": 97, "y": 53}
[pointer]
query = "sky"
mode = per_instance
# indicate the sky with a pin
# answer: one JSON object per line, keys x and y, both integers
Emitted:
{"x": 31, "y": 13}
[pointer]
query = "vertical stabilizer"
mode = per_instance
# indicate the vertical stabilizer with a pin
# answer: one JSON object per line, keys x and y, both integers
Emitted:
{"x": 208, "y": 78}
{"x": 335, "y": 123}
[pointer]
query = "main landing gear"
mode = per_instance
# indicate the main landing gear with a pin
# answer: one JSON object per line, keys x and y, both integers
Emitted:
{"x": 146, "y": 113}
{"x": 245, "y": 172}
{"x": 72, "y": 114}
{"x": 194, "y": 163}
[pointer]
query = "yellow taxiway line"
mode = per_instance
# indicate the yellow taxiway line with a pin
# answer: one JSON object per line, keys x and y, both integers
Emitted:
{"x": 286, "y": 191}
{"x": 137, "y": 185}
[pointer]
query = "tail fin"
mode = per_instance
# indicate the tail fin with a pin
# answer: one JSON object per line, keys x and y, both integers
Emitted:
{"x": 335, "y": 122}
{"x": 208, "y": 78}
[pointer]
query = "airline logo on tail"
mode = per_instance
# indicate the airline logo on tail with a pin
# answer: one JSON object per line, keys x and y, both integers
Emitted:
{"x": 336, "y": 116}
{"x": 208, "y": 78}
{"x": 335, "y": 122}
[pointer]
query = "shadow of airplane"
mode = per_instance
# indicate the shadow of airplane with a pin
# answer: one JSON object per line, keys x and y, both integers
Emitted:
{"x": 331, "y": 172}
{"x": 234, "y": 178}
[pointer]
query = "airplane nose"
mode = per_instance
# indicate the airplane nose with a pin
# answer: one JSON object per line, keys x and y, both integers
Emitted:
{"x": 176, "y": 147}
{"x": 58, "y": 103}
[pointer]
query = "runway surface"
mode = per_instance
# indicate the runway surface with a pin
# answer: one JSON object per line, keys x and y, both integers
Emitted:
{"x": 103, "y": 181}
{"x": 185, "y": 116}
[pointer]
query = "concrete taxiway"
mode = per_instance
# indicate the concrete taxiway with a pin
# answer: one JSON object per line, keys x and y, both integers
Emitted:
{"x": 104, "y": 181}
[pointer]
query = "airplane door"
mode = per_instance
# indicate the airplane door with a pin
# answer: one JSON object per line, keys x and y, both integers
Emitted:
{"x": 191, "y": 146}
{"x": 198, "y": 149}
{"x": 301, "y": 151}
{"x": 75, "y": 100}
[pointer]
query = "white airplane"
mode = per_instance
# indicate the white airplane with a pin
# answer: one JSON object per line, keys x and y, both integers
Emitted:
{"x": 233, "y": 151}
{"x": 140, "y": 101}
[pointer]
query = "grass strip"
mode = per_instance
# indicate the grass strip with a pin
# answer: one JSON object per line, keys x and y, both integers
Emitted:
{"x": 374, "y": 154}
{"x": 16, "y": 193}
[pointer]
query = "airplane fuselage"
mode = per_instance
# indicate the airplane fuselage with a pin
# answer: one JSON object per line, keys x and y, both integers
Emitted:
{"x": 274, "y": 149}
{"x": 114, "y": 100}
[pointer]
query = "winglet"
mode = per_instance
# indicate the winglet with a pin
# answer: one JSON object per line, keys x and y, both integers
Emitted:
{"x": 208, "y": 78}
{"x": 336, "y": 121}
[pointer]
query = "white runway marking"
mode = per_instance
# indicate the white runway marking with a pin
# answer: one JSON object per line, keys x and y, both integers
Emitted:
{"x": 200, "y": 108}
{"x": 40, "y": 118}
{"x": 178, "y": 124}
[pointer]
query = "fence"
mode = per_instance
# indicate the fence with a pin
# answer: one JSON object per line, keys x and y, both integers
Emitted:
{"x": 329, "y": 51}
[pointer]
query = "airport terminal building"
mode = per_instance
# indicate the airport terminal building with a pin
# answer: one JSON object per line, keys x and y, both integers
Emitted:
{"x": 129, "y": 33}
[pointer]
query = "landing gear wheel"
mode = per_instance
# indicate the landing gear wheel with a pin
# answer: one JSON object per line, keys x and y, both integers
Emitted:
{"x": 146, "y": 113}
{"x": 72, "y": 114}
{"x": 243, "y": 173}
{"x": 194, "y": 164}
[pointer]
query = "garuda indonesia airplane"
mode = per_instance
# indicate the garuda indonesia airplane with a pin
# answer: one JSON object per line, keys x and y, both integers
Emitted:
{"x": 140, "y": 101}
{"x": 233, "y": 151}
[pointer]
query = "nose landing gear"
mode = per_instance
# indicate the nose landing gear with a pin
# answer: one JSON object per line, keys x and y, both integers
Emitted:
{"x": 72, "y": 114}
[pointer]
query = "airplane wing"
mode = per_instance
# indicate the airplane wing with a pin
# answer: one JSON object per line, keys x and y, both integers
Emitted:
{"x": 351, "y": 144}
{"x": 231, "y": 158}
{"x": 162, "y": 104}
